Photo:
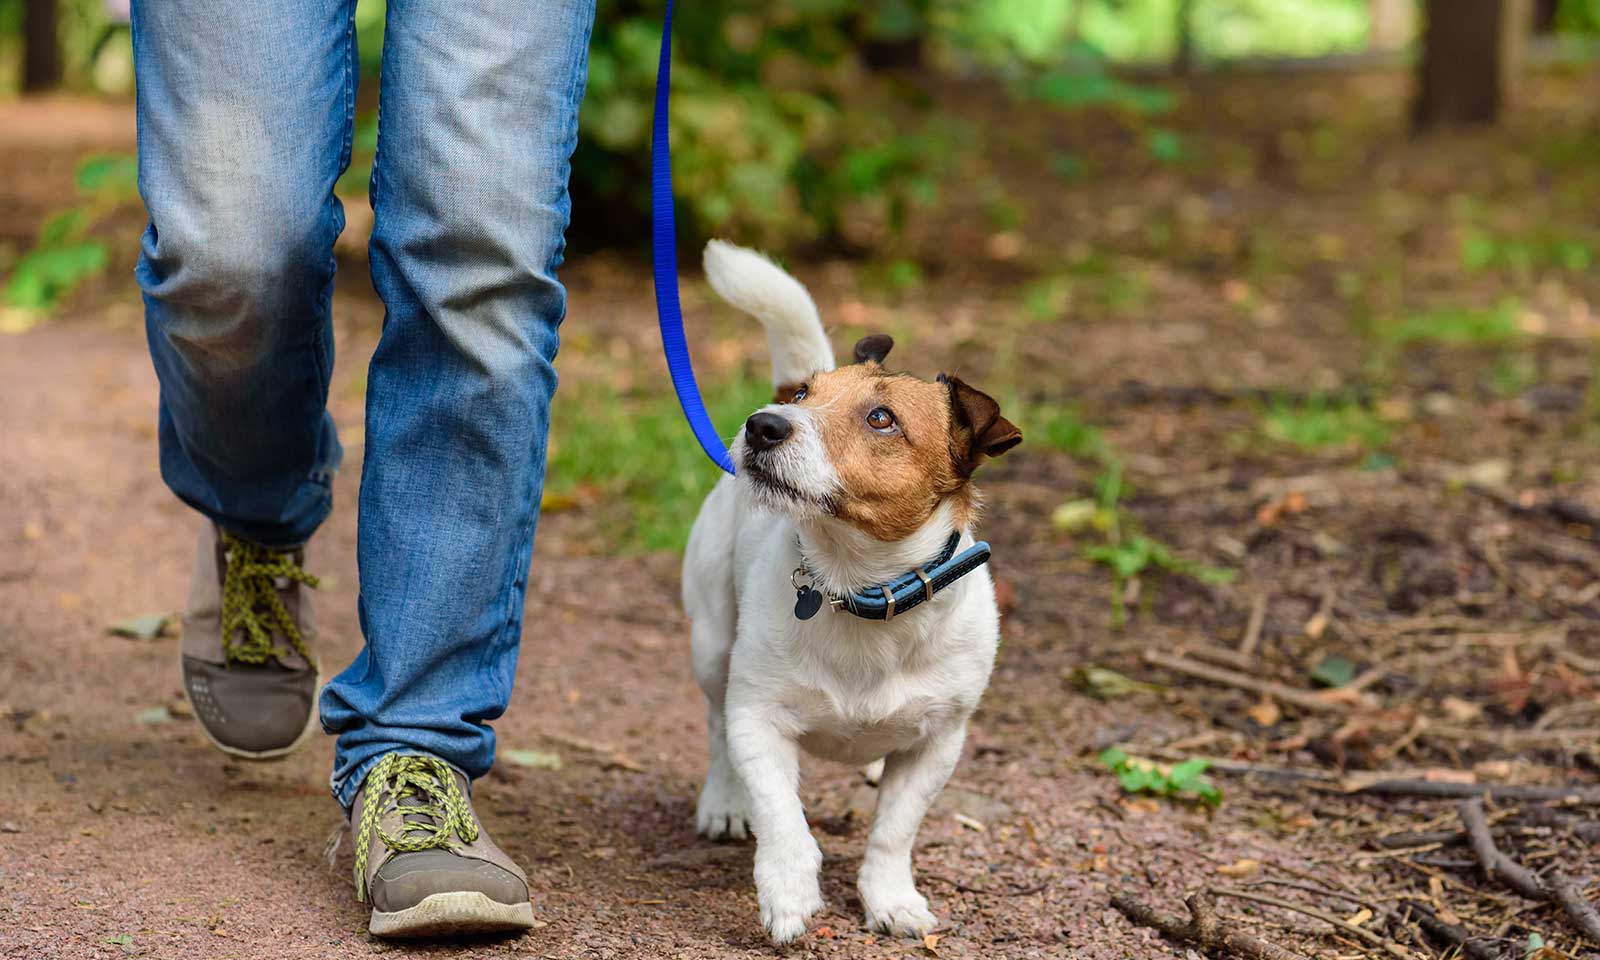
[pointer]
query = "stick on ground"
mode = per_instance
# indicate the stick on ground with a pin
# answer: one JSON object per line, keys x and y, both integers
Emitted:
{"x": 1203, "y": 929}
{"x": 1304, "y": 699}
{"x": 1561, "y": 889}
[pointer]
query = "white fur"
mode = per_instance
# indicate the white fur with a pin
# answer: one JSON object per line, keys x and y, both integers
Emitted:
{"x": 838, "y": 686}
{"x": 761, "y": 288}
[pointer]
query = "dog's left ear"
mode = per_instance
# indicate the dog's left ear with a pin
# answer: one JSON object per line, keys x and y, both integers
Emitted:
{"x": 977, "y": 430}
{"x": 873, "y": 347}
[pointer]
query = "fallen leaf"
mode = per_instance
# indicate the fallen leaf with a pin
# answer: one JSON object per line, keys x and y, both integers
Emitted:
{"x": 1105, "y": 684}
{"x": 553, "y": 502}
{"x": 825, "y": 932}
{"x": 1240, "y": 868}
{"x": 146, "y": 627}
{"x": 153, "y": 716}
{"x": 930, "y": 943}
{"x": 1334, "y": 672}
{"x": 537, "y": 759}
{"x": 1265, "y": 712}
{"x": 969, "y": 822}
{"x": 1074, "y": 515}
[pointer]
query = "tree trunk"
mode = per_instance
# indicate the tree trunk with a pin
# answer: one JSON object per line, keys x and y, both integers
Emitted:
{"x": 1183, "y": 58}
{"x": 42, "y": 65}
{"x": 1471, "y": 57}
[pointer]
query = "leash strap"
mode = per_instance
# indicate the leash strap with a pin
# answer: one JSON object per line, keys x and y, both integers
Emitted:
{"x": 664, "y": 250}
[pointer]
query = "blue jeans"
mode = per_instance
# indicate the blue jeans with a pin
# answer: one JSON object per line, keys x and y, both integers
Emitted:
{"x": 245, "y": 110}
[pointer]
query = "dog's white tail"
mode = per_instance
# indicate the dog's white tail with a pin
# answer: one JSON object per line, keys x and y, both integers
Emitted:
{"x": 761, "y": 288}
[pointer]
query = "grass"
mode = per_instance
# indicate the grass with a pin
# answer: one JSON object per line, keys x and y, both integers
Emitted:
{"x": 636, "y": 453}
{"x": 1322, "y": 423}
{"x": 1453, "y": 326}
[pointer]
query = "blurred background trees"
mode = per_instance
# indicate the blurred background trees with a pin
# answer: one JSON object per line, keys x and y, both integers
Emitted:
{"x": 817, "y": 123}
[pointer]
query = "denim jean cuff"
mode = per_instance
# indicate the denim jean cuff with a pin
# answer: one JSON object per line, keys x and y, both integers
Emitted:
{"x": 344, "y": 791}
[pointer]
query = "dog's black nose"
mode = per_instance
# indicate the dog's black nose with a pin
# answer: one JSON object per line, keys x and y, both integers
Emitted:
{"x": 763, "y": 431}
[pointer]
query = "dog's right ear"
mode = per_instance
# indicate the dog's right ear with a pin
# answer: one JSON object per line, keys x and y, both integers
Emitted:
{"x": 873, "y": 347}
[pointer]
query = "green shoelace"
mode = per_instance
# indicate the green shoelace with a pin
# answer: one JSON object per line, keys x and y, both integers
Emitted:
{"x": 438, "y": 810}
{"x": 252, "y": 611}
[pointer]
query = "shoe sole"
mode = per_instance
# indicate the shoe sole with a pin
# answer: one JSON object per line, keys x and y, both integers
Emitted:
{"x": 276, "y": 753}
{"x": 264, "y": 756}
{"x": 446, "y": 914}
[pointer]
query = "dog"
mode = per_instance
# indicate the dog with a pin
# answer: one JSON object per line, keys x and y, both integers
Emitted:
{"x": 853, "y": 480}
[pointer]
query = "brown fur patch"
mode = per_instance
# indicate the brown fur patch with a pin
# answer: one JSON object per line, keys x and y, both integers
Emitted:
{"x": 890, "y": 483}
{"x": 786, "y": 392}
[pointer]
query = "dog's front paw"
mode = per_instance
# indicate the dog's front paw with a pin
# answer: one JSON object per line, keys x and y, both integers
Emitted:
{"x": 898, "y": 912}
{"x": 723, "y": 812}
{"x": 787, "y": 887}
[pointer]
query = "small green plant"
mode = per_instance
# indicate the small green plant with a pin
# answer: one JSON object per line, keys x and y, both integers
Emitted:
{"x": 1185, "y": 781}
{"x": 1482, "y": 251}
{"x": 1129, "y": 554}
{"x": 1321, "y": 423}
{"x": 1061, "y": 426}
{"x": 65, "y": 253}
{"x": 1453, "y": 326}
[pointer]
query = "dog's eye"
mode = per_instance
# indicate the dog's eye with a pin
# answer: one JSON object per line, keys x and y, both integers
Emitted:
{"x": 799, "y": 394}
{"x": 880, "y": 419}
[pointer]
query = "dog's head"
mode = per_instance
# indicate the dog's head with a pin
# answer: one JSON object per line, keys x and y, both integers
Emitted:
{"x": 878, "y": 450}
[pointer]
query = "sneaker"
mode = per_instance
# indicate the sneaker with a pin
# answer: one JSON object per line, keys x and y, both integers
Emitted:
{"x": 248, "y": 662}
{"x": 422, "y": 859}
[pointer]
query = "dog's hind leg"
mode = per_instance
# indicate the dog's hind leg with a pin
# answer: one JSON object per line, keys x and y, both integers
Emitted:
{"x": 911, "y": 781}
{"x": 724, "y": 809}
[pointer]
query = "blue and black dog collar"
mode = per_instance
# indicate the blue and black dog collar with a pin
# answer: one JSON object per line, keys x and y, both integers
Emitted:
{"x": 885, "y": 601}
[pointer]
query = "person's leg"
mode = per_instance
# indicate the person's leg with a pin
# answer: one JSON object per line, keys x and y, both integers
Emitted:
{"x": 478, "y": 121}
{"x": 244, "y": 114}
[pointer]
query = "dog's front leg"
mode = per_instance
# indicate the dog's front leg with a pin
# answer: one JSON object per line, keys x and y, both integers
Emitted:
{"x": 767, "y": 759}
{"x": 911, "y": 781}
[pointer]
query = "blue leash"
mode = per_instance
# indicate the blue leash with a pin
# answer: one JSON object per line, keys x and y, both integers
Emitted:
{"x": 664, "y": 249}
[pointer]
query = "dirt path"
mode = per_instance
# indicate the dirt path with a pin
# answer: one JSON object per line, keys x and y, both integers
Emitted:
{"x": 1192, "y": 332}
{"x": 126, "y": 827}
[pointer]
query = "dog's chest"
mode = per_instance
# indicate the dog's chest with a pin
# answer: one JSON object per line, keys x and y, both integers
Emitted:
{"x": 860, "y": 729}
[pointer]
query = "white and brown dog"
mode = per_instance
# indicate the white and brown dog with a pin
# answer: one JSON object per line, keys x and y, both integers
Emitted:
{"x": 853, "y": 498}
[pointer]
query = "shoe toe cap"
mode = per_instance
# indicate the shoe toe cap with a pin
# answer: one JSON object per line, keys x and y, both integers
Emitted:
{"x": 409, "y": 878}
{"x": 250, "y": 709}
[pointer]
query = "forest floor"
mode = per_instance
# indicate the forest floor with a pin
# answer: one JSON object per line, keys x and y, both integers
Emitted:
{"x": 1326, "y": 395}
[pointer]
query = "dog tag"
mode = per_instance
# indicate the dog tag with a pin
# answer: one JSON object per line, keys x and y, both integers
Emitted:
{"x": 807, "y": 602}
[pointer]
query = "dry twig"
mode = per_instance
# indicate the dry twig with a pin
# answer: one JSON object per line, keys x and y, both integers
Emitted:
{"x": 1560, "y": 890}
{"x": 1202, "y": 929}
{"x": 1361, "y": 933}
{"x": 1304, "y": 699}
{"x": 1454, "y": 791}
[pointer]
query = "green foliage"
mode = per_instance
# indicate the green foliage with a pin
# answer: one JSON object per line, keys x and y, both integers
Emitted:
{"x": 65, "y": 253}
{"x": 1454, "y": 326}
{"x": 1061, "y": 426}
{"x": 761, "y": 145}
{"x": 1184, "y": 781}
{"x": 1522, "y": 256}
{"x": 1124, "y": 551}
{"x": 1323, "y": 422}
{"x": 636, "y": 452}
